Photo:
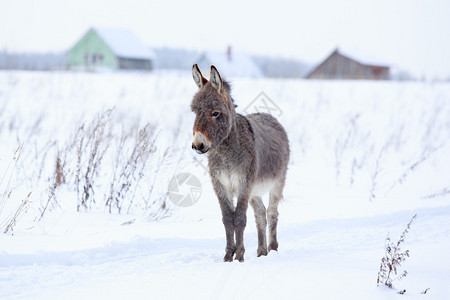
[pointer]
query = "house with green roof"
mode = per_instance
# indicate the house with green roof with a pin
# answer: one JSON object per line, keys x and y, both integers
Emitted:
{"x": 109, "y": 49}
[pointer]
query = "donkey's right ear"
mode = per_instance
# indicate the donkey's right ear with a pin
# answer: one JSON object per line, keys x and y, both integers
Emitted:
{"x": 200, "y": 81}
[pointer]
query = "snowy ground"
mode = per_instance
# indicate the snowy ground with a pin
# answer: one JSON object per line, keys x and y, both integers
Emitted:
{"x": 366, "y": 157}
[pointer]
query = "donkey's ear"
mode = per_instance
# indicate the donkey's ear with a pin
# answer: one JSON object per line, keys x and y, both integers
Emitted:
{"x": 200, "y": 81}
{"x": 216, "y": 80}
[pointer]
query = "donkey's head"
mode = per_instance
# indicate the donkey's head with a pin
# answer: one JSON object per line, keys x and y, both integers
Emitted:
{"x": 214, "y": 110}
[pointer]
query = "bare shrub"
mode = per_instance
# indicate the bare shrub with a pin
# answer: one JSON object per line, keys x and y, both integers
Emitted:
{"x": 343, "y": 142}
{"x": 11, "y": 221}
{"x": 424, "y": 156}
{"x": 392, "y": 260}
{"x": 158, "y": 207}
{"x": 7, "y": 191}
{"x": 58, "y": 178}
{"x": 5, "y": 181}
{"x": 93, "y": 142}
{"x": 129, "y": 167}
{"x": 109, "y": 163}
{"x": 350, "y": 151}
{"x": 441, "y": 193}
{"x": 374, "y": 174}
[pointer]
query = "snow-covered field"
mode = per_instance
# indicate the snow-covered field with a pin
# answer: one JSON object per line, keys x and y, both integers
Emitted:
{"x": 366, "y": 157}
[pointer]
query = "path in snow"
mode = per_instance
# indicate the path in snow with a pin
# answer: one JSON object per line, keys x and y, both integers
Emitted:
{"x": 328, "y": 258}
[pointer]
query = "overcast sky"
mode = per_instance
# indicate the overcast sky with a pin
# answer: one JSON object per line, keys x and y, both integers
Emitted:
{"x": 410, "y": 34}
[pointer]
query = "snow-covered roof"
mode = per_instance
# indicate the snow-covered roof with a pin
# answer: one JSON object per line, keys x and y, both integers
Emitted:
{"x": 363, "y": 57}
{"x": 235, "y": 65}
{"x": 124, "y": 43}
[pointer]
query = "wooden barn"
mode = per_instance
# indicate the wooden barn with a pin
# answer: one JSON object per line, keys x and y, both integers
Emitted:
{"x": 111, "y": 49}
{"x": 340, "y": 66}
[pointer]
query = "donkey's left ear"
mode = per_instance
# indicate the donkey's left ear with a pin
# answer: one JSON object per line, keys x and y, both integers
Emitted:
{"x": 215, "y": 79}
{"x": 200, "y": 81}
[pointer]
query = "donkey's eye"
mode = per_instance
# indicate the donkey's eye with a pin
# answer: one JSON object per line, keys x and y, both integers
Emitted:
{"x": 215, "y": 114}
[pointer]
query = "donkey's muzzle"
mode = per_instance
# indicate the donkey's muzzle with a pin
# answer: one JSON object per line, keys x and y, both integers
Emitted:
{"x": 200, "y": 143}
{"x": 200, "y": 149}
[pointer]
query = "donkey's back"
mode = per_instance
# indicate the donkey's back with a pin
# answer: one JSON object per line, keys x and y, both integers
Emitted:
{"x": 271, "y": 147}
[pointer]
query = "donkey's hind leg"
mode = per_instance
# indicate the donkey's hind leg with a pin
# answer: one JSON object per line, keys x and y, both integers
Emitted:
{"x": 261, "y": 224}
{"x": 276, "y": 194}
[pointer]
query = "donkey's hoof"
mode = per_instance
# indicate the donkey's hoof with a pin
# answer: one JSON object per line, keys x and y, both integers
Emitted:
{"x": 261, "y": 252}
{"x": 273, "y": 246}
{"x": 229, "y": 254}
{"x": 228, "y": 257}
{"x": 240, "y": 254}
{"x": 240, "y": 259}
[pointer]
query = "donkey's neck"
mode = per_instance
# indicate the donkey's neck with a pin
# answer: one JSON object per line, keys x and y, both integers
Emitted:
{"x": 233, "y": 135}
{"x": 238, "y": 133}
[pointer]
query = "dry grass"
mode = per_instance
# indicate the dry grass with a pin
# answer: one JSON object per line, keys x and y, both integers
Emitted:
{"x": 393, "y": 259}
{"x": 129, "y": 167}
{"x": 109, "y": 162}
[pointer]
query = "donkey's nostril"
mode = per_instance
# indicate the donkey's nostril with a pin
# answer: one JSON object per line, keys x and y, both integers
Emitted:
{"x": 198, "y": 147}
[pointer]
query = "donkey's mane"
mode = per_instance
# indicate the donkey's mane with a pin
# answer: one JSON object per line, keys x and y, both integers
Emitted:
{"x": 227, "y": 86}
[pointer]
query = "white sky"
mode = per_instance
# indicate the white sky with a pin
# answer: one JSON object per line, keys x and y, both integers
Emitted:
{"x": 412, "y": 34}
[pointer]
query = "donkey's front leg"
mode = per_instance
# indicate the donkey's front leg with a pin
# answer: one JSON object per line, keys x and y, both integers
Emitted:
{"x": 228, "y": 222}
{"x": 240, "y": 221}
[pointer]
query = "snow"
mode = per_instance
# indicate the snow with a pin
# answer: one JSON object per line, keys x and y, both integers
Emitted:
{"x": 366, "y": 157}
{"x": 124, "y": 43}
{"x": 237, "y": 65}
{"x": 365, "y": 57}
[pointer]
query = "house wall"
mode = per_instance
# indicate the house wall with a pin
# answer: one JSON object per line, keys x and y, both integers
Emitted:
{"x": 341, "y": 67}
{"x": 134, "y": 64}
{"x": 91, "y": 53}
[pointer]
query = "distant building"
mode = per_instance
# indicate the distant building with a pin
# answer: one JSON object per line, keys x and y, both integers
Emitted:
{"x": 110, "y": 49}
{"x": 277, "y": 67}
{"x": 229, "y": 64}
{"x": 341, "y": 66}
{"x": 174, "y": 58}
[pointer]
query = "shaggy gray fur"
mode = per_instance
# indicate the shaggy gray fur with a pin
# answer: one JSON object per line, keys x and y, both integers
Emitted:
{"x": 247, "y": 156}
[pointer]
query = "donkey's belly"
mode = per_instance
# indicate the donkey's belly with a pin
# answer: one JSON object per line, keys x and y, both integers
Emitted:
{"x": 262, "y": 187}
{"x": 231, "y": 183}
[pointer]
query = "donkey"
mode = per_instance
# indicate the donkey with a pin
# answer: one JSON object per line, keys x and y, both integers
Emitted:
{"x": 248, "y": 156}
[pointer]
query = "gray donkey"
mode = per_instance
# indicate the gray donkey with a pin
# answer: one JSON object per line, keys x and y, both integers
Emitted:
{"x": 248, "y": 156}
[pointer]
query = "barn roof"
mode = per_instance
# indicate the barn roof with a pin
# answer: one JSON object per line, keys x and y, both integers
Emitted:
{"x": 364, "y": 58}
{"x": 239, "y": 65}
{"x": 124, "y": 43}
